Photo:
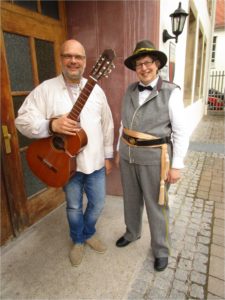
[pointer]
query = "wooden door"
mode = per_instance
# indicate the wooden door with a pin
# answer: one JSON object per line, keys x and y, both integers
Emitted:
{"x": 31, "y": 35}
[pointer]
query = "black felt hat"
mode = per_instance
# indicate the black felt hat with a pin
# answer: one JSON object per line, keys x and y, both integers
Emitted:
{"x": 142, "y": 48}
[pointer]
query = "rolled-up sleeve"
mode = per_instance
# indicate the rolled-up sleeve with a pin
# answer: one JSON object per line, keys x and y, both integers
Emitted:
{"x": 31, "y": 120}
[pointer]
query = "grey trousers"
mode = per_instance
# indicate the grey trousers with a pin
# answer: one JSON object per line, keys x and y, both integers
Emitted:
{"x": 141, "y": 186}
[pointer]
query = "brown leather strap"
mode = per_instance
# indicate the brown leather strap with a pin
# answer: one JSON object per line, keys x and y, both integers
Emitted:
{"x": 139, "y": 135}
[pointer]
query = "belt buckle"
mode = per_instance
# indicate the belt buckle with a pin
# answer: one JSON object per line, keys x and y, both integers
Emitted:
{"x": 132, "y": 141}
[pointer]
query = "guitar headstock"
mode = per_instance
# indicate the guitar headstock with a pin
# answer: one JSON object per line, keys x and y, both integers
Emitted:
{"x": 104, "y": 65}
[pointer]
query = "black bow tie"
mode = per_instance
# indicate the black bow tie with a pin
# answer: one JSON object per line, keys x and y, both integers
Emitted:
{"x": 141, "y": 88}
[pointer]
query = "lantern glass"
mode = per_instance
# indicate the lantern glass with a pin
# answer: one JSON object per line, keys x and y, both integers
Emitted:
{"x": 176, "y": 25}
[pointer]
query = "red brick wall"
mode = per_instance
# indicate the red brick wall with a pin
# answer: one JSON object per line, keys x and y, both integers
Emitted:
{"x": 118, "y": 25}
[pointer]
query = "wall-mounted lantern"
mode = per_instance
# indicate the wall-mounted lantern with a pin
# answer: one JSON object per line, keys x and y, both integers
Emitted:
{"x": 178, "y": 19}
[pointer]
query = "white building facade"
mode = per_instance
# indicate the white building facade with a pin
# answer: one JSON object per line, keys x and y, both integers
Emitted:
{"x": 192, "y": 53}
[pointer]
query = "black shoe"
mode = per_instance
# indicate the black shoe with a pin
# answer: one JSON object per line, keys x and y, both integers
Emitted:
{"x": 161, "y": 263}
{"x": 122, "y": 242}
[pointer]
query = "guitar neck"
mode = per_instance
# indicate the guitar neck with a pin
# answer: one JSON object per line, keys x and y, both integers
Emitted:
{"x": 82, "y": 99}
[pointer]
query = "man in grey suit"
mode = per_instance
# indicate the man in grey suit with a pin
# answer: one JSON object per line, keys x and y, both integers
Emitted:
{"x": 152, "y": 148}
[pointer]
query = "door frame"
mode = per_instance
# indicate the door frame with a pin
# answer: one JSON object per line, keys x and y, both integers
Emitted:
{"x": 18, "y": 20}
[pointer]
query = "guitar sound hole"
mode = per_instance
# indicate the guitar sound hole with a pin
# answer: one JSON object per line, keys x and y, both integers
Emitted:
{"x": 58, "y": 142}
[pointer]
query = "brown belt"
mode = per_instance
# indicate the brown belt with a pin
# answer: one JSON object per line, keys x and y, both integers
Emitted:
{"x": 140, "y": 142}
{"x": 135, "y": 138}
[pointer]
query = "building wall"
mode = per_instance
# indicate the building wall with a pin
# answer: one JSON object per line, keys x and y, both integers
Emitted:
{"x": 117, "y": 25}
{"x": 219, "y": 64}
{"x": 194, "y": 46}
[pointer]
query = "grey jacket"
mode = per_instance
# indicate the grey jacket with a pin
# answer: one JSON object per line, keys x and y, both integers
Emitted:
{"x": 152, "y": 117}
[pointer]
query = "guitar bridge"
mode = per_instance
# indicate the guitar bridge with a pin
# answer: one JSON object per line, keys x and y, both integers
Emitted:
{"x": 47, "y": 163}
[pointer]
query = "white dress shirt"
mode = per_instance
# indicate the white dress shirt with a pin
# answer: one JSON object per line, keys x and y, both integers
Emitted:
{"x": 51, "y": 99}
{"x": 178, "y": 121}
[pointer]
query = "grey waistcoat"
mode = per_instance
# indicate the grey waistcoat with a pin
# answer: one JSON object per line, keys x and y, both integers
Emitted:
{"x": 152, "y": 117}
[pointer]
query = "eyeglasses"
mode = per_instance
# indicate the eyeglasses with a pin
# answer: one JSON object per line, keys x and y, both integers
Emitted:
{"x": 146, "y": 64}
{"x": 70, "y": 57}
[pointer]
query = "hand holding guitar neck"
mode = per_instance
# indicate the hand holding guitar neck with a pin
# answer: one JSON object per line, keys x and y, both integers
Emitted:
{"x": 65, "y": 125}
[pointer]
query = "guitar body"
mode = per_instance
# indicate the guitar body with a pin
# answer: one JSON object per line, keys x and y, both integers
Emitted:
{"x": 53, "y": 159}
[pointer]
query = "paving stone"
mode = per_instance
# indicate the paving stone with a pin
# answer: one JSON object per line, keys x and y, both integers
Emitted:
{"x": 145, "y": 275}
{"x": 207, "y": 220}
{"x": 216, "y": 287}
{"x": 180, "y": 286}
{"x": 193, "y": 226}
{"x": 220, "y": 205}
{"x": 176, "y": 295}
{"x": 211, "y": 203}
{"x": 199, "y": 266}
{"x": 202, "y": 248}
{"x": 206, "y": 233}
{"x": 203, "y": 240}
{"x": 189, "y": 246}
{"x": 192, "y": 232}
{"x": 197, "y": 291}
{"x": 156, "y": 293}
{"x": 196, "y": 220}
{"x": 201, "y": 258}
{"x": 216, "y": 267}
{"x": 217, "y": 251}
{"x": 190, "y": 239}
{"x": 181, "y": 275}
{"x": 187, "y": 254}
{"x": 218, "y": 230}
{"x": 208, "y": 208}
{"x": 207, "y": 215}
{"x": 218, "y": 240}
{"x": 185, "y": 264}
{"x": 167, "y": 274}
{"x": 212, "y": 297}
{"x": 198, "y": 277}
{"x": 162, "y": 283}
{"x": 139, "y": 286}
{"x": 219, "y": 222}
{"x": 133, "y": 295}
{"x": 199, "y": 202}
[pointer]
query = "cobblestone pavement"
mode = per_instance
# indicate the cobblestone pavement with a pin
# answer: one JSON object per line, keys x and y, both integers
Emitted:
{"x": 196, "y": 265}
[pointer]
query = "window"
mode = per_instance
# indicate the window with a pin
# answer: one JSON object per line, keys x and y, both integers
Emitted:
{"x": 213, "y": 58}
{"x": 44, "y": 7}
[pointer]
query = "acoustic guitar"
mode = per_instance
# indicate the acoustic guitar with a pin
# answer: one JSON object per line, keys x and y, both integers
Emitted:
{"x": 53, "y": 159}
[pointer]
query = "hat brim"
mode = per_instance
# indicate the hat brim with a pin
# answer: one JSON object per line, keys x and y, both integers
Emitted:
{"x": 130, "y": 61}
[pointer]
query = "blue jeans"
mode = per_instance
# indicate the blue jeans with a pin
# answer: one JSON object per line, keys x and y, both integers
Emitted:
{"x": 82, "y": 223}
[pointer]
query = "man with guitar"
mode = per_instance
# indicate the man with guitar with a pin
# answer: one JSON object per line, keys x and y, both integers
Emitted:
{"x": 46, "y": 115}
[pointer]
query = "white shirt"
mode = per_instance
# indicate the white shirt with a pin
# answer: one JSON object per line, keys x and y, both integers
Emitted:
{"x": 178, "y": 120}
{"x": 51, "y": 99}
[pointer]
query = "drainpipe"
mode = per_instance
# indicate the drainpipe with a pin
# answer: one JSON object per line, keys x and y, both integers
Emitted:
{"x": 213, "y": 16}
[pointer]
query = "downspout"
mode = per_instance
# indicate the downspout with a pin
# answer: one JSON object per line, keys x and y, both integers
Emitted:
{"x": 213, "y": 17}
